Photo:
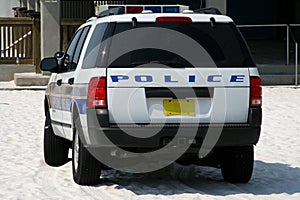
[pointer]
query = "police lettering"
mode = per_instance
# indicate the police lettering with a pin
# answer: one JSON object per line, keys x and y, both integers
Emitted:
{"x": 170, "y": 79}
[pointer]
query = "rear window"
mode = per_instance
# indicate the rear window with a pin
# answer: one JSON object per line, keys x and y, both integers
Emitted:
{"x": 221, "y": 45}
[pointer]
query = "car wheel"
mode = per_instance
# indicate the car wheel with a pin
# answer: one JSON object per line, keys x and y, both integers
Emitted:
{"x": 56, "y": 148}
{"x": 237, "y": 166}
{"x": 86, "y": 169}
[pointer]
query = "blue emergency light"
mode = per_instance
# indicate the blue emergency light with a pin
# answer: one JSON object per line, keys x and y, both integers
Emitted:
{"x": 171, "y": 9}
{"x": 154, "y": 9}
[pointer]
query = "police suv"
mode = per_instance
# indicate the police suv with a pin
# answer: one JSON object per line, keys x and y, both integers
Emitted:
{"x": 139, "y": 84}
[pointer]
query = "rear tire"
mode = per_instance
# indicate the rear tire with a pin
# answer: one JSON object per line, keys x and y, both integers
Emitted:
{"x": 86, "y": 169}
{"x": 56, "y": 148}
{"x": 237, "y": 166}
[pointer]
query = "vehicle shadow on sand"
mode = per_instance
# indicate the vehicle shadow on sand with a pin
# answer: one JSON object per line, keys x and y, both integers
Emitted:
{"x": 267, "y": 179}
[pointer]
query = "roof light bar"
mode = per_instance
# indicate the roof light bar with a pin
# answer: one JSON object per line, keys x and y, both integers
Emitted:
{"x": 140, "y": 8}
{"x": 111, "y": 11}
{"x": 188, "y": 12}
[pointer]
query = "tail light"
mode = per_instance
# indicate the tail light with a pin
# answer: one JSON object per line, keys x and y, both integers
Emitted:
{"x": 97, "y": 93}
{"x": 255, "y": 92}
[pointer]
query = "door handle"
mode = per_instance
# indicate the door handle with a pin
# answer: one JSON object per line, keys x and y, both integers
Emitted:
{"x": 59, "y": 82}
{"x": 71, "y": 81}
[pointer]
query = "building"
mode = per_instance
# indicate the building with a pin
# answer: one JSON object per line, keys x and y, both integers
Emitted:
{"x": 54, "y": 13}
{"x": 271, "y": 27}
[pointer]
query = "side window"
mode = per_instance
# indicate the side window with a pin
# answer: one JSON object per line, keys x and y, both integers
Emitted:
{"x": 93, "y": 56}
{"x": 67, "y": 61}
{"x": 79, "y": 48}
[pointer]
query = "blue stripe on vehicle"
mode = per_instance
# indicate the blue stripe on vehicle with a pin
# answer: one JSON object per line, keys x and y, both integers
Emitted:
{"x": 81, "y": 103}
{"x": 65, "y": 103}
{"x": 62, "y": 97}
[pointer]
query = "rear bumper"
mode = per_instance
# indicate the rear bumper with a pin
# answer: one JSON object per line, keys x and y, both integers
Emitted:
{"x": 230, "y": 136}
{"x": 155, "y": 136}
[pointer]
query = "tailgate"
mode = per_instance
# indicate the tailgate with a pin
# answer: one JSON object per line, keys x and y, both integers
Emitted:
{"x": 180, "y": 95}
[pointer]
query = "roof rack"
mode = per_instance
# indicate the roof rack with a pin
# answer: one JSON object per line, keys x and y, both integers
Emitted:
{"x": 211, "y": 10}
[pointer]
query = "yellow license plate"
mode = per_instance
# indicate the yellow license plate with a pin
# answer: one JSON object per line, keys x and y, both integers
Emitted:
{"x": 179, "y": 107}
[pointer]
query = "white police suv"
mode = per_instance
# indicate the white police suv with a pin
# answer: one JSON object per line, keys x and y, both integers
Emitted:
{"x": 141, "y": 87}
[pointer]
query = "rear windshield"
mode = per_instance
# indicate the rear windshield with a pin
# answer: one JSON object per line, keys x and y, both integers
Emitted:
{"x": 176, "y": 45}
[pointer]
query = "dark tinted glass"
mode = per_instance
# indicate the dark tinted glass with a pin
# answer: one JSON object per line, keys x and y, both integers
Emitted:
{"x": 79, "y": 48}
{"x": 67, "y": 61}
{"x": 223, "y": 43}
{"x": 94, "y": 53}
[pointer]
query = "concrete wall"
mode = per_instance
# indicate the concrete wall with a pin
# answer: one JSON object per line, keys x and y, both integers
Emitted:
{"x": 50, "y": 27}
{"x": 7, "y": 71}
{"x": 6, "y": 7}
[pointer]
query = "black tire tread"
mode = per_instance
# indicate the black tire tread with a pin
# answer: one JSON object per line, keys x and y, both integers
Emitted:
{"x": 55, "y": 148}
{"x": 89, "y": 168}
{"x": 237, "y": 165}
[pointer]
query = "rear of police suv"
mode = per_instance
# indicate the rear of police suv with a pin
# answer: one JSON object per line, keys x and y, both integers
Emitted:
{"x": 166, "y": 80}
